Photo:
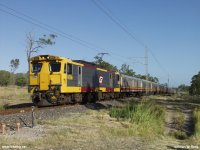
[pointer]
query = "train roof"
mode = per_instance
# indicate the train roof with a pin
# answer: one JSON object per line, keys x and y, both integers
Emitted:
{"x": 127, "y": 76}
{"x": 87, "y": 63}
{"x": 47, "y": 57}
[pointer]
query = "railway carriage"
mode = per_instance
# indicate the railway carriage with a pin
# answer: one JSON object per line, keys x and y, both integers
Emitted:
{"x": 57, "y": 80}
{"x": 135, "y": 86}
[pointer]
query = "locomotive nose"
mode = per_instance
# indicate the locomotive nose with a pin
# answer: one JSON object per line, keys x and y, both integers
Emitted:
{"x": 44, "y": 81}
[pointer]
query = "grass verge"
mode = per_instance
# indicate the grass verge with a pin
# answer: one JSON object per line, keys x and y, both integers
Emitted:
{"x": 196, "y": 136}
{"x": 3, "y": 107}
{"x": 13, "y": 95}
{"x": 147, "y": 118}
{"x": 87, "y": 130}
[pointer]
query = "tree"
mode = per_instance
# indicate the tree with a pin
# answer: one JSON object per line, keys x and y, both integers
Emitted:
{"x": 183, "y": 88}
{"x": 4, "y": 78}
{"x": 33, "y": 46}
{"x": 150, "y": 78}
{"x": 14, "y": 64}
{"x": 21, "y": 79}
{"x": 153, "y": 79}
{"x": 126, "y": 70}
{"x": 103, "y": 64}
{"x": 140, "y": 76}
{"x": 195, "y": 85}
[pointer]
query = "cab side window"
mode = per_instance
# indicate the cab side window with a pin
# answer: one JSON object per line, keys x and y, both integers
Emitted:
{"x": 117, "y": 77}
{"x": 69, "y": 69}
{"x": 65, "y": 68}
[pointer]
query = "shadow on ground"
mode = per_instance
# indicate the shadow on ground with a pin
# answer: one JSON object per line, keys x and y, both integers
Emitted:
{"x": 97, "y": 106}
{"x": 108, "y": 104}
{"x": 21, "y": 105}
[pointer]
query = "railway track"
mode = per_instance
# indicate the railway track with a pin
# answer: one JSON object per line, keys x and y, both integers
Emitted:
{"x": 14, "y": 111}
{"x": 24, "y": 116}
{"x": 27, "y": 109}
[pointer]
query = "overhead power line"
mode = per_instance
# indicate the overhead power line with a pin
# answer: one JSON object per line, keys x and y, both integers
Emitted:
{"x": 46, "y": 27}
{"x": 36, "y": 22}
{"x": 116, "y": 20}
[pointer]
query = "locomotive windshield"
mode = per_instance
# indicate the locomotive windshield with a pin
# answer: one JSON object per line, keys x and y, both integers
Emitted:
{"x": 36, "y": 67}
{"x": 54, "y": 67}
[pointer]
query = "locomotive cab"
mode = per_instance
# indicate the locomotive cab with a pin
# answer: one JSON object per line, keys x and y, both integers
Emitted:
{"x": 45, "y": 78}
{"x": 53, "y": 79}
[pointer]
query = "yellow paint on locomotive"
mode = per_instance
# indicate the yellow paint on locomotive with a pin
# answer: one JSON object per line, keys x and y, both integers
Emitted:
{"x": 100, "y": 69}
{"x": 116, "y": 89}
{"x": 69, "y": 77}
{"x": 70, "y": 89}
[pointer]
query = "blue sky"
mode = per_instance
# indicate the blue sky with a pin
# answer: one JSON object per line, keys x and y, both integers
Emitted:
{"x": 170, "y": 28}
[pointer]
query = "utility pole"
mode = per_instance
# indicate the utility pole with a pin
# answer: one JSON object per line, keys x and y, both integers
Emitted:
{"x": 102, "y": 54}
{"x": 146, "y": 62}
{"x": 168, "y": 81}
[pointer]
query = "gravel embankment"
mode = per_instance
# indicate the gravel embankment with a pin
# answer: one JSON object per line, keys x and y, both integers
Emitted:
{"x": 25, "y": 117}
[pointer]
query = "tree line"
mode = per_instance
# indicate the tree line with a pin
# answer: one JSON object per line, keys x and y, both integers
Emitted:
{"x": 125, "y": 69}
{"x": 7, "y": 78}
{"x": 195, "y": 85}
{"x": 194, "y": 88}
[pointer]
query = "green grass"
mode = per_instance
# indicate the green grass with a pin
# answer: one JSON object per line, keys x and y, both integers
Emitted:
{"x": 195, "y": 139}
{"x": 196, "y": 115}
{"x": 1, "y": 107}
{"x": 146, "y": 118}
{"x": 181, "y": 135}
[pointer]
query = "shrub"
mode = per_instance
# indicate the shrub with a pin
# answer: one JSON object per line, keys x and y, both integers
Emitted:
{"x": 148, "y": 117}
{"x": 21, "y": 79}
{"x": 4, "y": 78}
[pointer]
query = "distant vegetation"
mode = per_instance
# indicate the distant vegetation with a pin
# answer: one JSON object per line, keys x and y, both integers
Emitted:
{"x": 183, "y": 88}
{"x": 125, "y": 69}
{"x": 194, "y": 88}
{"x": 19, "y": 79}
{"x": 195, "y": 85}
{"x": 103, "y": 64}
{"x": 4, "y": 78}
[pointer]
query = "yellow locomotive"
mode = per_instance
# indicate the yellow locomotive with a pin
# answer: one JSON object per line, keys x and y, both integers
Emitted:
{"x": 57, "y": 80}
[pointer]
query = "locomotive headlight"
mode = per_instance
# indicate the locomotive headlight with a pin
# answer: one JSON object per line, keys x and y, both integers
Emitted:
{"x": 51, "y": 57}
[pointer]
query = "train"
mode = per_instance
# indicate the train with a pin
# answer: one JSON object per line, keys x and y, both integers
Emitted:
{"x": 55, "y": 80}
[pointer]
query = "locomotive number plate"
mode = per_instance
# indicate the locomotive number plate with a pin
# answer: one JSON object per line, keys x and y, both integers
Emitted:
{"x": 35, "y": 76}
